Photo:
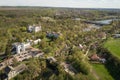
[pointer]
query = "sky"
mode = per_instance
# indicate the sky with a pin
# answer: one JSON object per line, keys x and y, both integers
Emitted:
{"x": 64, "y": 3}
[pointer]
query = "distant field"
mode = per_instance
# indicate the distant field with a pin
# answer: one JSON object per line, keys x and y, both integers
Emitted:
{"x": 113, "y": 45}
{"x": 102, "y": 72}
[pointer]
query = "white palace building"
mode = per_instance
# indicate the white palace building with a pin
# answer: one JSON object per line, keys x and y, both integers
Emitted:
{"x": 21, "y": 47}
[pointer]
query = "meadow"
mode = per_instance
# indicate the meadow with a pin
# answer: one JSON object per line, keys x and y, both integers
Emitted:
{"x": 113, "y": 45}
{"x": 102, "y": 72}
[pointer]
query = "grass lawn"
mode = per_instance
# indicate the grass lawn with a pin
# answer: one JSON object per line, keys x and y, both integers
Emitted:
{"x": 102, "y": 72}
{"x": 113, "y": 45}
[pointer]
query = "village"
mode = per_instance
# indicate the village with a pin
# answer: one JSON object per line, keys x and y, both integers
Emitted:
{"x": 53, "y": 44}
{"x": 25, "y": 51}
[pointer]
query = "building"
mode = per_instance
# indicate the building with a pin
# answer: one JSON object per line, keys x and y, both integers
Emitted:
{"x": 34, "y": 28}
{"x": 6, "y": 62}
{"x": 98, "y": 59}
{"x": 36, "y": 41}
{"x": 52, "y": 35}
{"x": 13, "y": 71}
{"x": 94, "y": 57}
{"x": 36, "y": 52}
{"x": 21, "y": 47}
{"x": 30, "y": 53}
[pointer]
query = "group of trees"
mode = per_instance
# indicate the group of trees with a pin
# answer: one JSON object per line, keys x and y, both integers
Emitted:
{"x": 78, "y": 61}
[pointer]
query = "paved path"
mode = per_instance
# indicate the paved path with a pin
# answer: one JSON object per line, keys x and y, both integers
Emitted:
{"x": 86, "y": 53}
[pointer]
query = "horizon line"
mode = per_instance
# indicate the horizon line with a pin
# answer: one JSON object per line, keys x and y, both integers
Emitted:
{"x": 60, "y": 7}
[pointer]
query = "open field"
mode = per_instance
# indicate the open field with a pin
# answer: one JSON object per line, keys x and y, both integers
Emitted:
{"x": 102, "y": 72}
{"x": 113, "y": 45}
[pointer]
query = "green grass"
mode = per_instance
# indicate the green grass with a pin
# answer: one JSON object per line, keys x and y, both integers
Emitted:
{"x": 113, "y": 45}
{"x": 102, "y": 72}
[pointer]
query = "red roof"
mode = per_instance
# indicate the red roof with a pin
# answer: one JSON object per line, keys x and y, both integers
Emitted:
{"x": 94, "y": 57}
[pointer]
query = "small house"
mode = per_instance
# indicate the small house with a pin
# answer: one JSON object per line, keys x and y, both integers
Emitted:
{"x": 98, "y": 59}
{"x": 94, "y": 57}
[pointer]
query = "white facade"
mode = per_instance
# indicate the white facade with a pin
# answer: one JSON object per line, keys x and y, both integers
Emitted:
{"x": 34, "y": 28}
{"x": 20, "y": 47}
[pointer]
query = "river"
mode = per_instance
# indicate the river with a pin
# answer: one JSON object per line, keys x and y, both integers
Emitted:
{"x": 103, "y": 22}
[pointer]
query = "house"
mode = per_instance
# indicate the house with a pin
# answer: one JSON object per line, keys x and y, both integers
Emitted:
{"x": 34, "y": 28}
{"x": 95, "y": 57}
{"x": 11, "y": 71}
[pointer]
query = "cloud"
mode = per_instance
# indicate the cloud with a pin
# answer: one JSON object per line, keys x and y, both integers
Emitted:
{"x": 63, "y": 3}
